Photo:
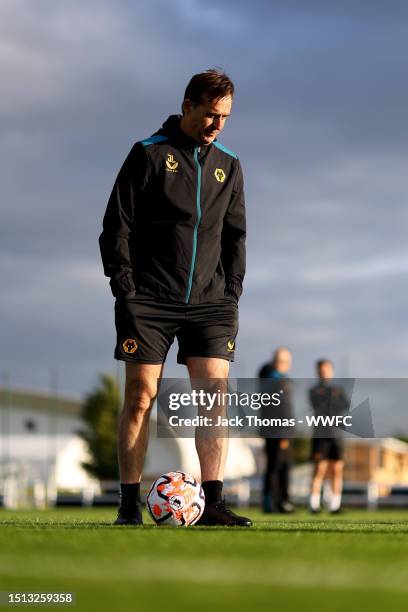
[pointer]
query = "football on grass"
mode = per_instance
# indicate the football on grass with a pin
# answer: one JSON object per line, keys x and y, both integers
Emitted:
{"x": 176, "y": 499}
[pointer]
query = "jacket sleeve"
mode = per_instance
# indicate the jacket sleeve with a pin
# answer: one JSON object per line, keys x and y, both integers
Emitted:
{"x": 115, "y": 238}
{"x": 264, "y": 371}
{"x": 343, "y": 403}
{"x": 233, "y": 255}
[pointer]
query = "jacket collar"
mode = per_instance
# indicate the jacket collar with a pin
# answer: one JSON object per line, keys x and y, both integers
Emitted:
{"x": 171, "y": 128}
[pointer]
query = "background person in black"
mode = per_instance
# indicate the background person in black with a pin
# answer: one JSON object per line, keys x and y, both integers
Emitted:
{"x": 278, "y": 449}
{"x": 327, "y": 453}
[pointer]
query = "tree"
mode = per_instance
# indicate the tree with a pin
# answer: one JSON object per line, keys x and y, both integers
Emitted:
{"x": 100, "y": 413}
{"x": 301, "y": 450}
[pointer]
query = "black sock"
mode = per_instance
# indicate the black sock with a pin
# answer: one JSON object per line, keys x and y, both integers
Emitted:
{"x": 212, "y": 491}
{"x": 129, "y": 496}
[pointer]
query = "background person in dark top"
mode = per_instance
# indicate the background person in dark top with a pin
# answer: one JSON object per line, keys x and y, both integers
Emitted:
{"x": 278, "y": 449}
{"x": 327, "y": 453}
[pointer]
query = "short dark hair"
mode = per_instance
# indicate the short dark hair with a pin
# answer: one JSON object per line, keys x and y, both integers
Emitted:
{"x": 321, "y": 362}
{"x": 213, "y": 83}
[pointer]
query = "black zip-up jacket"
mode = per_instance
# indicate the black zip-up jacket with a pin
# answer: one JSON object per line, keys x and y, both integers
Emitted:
{"x": 329, "y": 400}
{"x": 174, "y": 226}
{"x": 273, "y": 382}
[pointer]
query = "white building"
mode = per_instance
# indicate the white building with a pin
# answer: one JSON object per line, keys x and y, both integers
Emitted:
{"x": 41, "y": 452}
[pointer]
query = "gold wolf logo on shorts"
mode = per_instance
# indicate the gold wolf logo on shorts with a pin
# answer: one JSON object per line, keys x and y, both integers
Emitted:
{"x": 230, "y": 346}
{"x": 129, "y": 345}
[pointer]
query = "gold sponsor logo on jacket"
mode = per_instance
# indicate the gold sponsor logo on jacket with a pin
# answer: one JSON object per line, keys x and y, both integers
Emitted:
{"x": 171, "y": 163}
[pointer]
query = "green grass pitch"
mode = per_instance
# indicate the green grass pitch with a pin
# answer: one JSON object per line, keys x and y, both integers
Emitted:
{"x": 354, "y": 561}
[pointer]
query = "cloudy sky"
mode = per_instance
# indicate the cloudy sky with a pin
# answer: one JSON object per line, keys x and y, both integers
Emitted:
{"x": 319, "y": 123}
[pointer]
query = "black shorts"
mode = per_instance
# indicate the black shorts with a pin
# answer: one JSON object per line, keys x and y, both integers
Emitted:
{"x": 327, "y": 449}
{"x": 146, "y": 328}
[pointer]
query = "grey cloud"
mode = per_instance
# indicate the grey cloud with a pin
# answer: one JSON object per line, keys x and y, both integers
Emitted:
{"x": 319, "y": 124}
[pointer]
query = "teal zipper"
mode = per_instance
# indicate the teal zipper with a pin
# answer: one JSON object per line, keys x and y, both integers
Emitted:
{"x": 198, "y": 205}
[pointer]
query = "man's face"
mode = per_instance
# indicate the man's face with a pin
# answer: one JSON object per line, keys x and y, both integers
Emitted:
{"x": 283, "y": 361}
{"x": 205, "y": 121}
{"x": 326, "y": 370}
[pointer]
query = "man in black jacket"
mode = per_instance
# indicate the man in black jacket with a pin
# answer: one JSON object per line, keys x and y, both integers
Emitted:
{"x": 278, "y": 448}
{"x": 173, "y": 245}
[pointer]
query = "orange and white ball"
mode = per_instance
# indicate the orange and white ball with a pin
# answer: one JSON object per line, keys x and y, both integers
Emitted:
{"x": 175, "y": 499}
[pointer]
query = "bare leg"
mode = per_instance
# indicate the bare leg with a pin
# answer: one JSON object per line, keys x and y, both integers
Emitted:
{"x": 133, "y": 431}
{"x": 317, "y": 483}
{"x": 212, "y": 445}
{"x": 319, "y": 476}
{"x": 212, "y": 450}
{"x": 337, "y": 476}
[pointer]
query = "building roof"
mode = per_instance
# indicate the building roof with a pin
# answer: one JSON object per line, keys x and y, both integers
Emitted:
{"x": 39, "y": 401}
{"x": 399, "y": 446}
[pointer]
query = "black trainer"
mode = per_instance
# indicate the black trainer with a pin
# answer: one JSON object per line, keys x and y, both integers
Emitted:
{"x": 219, "y": 514}
{"x": 133, "y": 517}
